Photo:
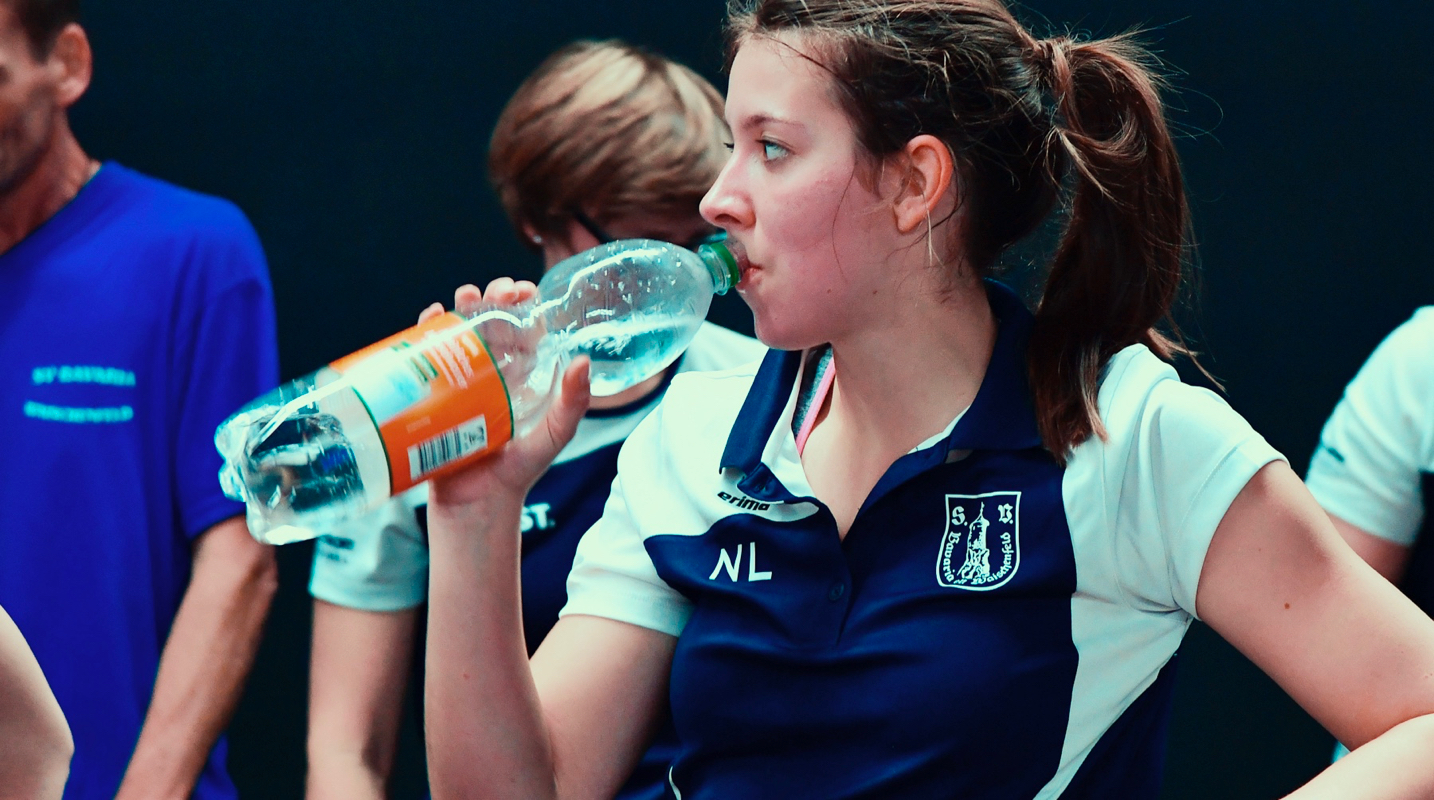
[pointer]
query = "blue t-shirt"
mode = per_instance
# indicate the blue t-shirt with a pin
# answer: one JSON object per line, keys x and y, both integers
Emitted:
{"x": 994, "y": 624}
{"x": 131, "y": 324}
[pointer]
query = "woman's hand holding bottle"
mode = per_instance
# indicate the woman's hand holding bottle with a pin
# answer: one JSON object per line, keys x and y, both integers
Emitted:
{"x": 509, "y": 473}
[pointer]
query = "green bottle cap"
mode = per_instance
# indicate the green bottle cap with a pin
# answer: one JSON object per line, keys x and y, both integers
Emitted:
{"x": 721, "y": 264}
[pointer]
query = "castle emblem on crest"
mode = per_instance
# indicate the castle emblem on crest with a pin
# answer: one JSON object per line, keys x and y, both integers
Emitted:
{"x": 981, "y": 549}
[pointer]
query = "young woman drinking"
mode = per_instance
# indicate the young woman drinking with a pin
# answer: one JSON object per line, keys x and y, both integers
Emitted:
{"x": 934, "y": 546}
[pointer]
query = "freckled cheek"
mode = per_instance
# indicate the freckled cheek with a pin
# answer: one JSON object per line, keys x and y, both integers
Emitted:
{"x": 801, "y": 222}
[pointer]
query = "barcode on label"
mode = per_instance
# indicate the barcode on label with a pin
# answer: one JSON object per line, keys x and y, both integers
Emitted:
{"x": 449, "y": 446}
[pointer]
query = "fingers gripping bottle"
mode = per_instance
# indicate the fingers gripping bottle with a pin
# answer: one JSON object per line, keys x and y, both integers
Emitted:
{"x": 429, "y": 400}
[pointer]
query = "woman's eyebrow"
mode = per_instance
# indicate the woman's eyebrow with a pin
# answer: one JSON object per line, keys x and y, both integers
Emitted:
{"x": 760, "y": 119}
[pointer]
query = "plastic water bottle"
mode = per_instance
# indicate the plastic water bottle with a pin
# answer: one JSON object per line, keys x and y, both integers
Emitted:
{"x": 427, "y": 401}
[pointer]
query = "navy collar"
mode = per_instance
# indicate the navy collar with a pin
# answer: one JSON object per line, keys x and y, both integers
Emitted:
{"x": 763, "y": 410}
{"x": 1001, "y": 417}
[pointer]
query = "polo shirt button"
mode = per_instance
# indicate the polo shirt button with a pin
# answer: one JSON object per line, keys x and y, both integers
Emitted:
{"x": 838, "y": 589}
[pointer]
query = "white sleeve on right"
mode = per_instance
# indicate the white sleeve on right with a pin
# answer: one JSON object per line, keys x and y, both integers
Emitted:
{"x": 378, "y": 562}
{"x": 1143, "y": 503}
{"x": 1366, "y": 470}
{"x": 613, "y": 575}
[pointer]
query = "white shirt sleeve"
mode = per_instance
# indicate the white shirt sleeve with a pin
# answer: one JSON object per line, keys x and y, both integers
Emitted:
{"x": 1366, "y": 470}
{"x": 613, "y": 575}
{"x": 378, "y": 562}
{"x": 1151, "y": 495}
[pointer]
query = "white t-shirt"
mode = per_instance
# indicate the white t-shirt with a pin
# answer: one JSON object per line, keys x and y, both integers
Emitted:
{"x": 1380, "y": 438}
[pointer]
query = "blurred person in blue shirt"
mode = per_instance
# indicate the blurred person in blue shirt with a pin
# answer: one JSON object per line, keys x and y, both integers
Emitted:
{"x": 136, "y": 316}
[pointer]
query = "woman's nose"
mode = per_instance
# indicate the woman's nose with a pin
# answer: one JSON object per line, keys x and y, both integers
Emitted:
{"x": 725, "y": 205}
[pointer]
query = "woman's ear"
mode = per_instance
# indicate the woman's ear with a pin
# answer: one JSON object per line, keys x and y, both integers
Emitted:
{"x": 929, "y": 171}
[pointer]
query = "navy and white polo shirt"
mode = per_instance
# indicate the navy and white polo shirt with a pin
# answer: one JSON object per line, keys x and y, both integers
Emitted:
{"x": 1374, "y": 467}
{"x": 380, "y": 562}
{"x": 992, "y": 626}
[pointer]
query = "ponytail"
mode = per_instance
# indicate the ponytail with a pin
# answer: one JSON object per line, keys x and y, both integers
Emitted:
{"x": 1117, "y": 270}
{"x": 1031, "y": 122}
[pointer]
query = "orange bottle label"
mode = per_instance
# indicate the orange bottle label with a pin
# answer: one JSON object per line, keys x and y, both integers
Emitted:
{"x": 436, "y": 396}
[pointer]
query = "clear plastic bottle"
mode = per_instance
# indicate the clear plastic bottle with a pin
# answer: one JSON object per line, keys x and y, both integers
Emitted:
{"x": 339, "y": 441}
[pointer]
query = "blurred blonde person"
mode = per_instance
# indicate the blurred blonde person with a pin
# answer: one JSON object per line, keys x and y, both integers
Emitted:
{"x": 603, "y": 141}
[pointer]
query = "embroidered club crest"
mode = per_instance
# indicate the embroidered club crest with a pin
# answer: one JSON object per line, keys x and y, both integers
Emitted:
{"x": 981, "y": 549}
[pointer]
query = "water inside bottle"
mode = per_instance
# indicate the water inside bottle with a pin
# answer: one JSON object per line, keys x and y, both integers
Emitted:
{"x": 306, "y": 464}
{"x": 625, "y": 353}
{"x": 298, "y": 468}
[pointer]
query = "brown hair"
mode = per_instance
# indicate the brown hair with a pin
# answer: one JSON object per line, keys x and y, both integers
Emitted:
{"x": 43, "y": 20}
{"x": 610, "y": 130}
{"x": 1029, "y": 122}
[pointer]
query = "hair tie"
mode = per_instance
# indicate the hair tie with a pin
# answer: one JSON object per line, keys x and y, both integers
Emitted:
{"x": 1043, "y": 52}
{"x": 1047, "y": 53}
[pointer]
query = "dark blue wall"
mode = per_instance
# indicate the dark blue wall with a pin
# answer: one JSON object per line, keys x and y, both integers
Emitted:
{"x": 353, "y": 134}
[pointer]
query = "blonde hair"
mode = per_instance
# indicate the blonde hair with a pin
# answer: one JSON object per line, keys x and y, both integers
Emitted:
{"x": 608, "y": 129}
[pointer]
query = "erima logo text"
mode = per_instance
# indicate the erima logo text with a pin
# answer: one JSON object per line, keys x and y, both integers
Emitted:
{"x": 745, "y": 503}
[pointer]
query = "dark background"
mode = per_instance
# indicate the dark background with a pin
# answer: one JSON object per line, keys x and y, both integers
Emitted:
{"x": 353, "y": 135}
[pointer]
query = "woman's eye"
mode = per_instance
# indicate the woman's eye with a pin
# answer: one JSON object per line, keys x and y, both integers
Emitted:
{"x": 730, "y": 146}
{"x": 772, "y": 151}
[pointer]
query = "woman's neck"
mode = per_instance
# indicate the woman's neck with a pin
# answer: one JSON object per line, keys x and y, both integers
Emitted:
{"x": 903, "y": 381}
{"x": 897, "y": 383}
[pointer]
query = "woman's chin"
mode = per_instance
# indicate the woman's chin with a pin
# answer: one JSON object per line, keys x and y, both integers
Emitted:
{"x": 779, "y": 337}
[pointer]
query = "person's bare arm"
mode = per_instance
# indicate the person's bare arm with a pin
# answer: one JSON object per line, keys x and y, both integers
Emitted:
{"x": 358, "y": 671}
{"x": 1347, "y": 646}
{"x": 601, "y": 715}
{"x": 35, "y": 742}
{"x": 572, "y": 724}
{"x": 201, "y": 672}
{"x": 1388, "y": 558}
{"x": 574, "y": 721}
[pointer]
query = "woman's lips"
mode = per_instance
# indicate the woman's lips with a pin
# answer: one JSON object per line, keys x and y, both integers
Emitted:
{"x": 747, "y": 269}
{"x": 744, "y": 264}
